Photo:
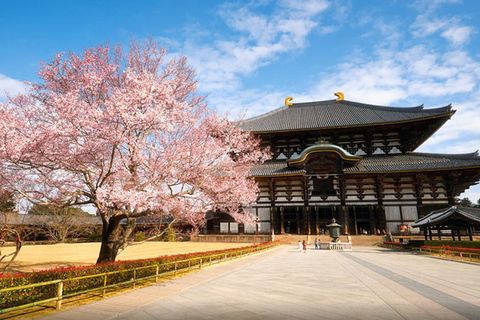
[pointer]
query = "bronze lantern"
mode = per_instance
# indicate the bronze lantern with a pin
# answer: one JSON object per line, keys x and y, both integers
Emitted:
{"x": 334, "y": 229}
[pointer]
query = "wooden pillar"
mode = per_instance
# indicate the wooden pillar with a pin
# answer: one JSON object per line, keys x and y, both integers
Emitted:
{"x": 450, "y": 181}
{"x": 430, "y": 233}
{"x": 419, "y": 178}
{"x": 306, "y": 211}
{"x": 317, "y": 222}
{"x": 355, "y": 219}
{"x": 453, "y": 234}
{"x": 425, "y": 233}
{"x": 272, "y": 219}
{"x": 282, "y": 221}
{"x": 439, "y": 233}
{"x": 470, "y": 236}
{"x": 382, "y": 221}
{"x": 373, "y": 225}
{"x": 343, "y": 208}
{"x": 273, "y": 209}
{"x": 297, "y": 217}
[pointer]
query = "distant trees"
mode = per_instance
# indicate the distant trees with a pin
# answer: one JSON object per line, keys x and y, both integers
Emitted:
{"x": 8, "y": 228}
{"x": 62, "y": 223}
{"x": 466, "y": 202}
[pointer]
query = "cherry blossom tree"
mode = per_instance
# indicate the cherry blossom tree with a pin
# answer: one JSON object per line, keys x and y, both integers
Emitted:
{"x": 126, "y": 132}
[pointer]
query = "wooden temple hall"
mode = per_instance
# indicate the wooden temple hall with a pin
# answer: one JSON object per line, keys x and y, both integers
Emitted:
{"x": 353, "y": 162}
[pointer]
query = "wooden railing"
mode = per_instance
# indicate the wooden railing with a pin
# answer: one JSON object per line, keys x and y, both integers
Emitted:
{"x": 446, "y": 252}
{"x": 157, "y": 271}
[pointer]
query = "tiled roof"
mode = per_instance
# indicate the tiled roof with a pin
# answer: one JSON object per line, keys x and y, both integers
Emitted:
{"x": 410, "y": 161}
{"x": 437, "y": 216}
{"x": 334, "y": 114}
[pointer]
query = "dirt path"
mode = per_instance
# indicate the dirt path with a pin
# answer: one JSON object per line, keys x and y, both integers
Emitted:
{"x": 39, "y": 257}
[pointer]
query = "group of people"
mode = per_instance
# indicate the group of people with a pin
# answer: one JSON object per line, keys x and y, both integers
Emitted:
{"x": 302, "y": 245}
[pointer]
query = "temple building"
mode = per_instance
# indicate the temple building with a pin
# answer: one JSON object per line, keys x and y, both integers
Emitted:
{"x": 353, "y": 162}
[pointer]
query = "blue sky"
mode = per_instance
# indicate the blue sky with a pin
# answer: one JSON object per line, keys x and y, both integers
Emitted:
{"x": 252, "y": 55}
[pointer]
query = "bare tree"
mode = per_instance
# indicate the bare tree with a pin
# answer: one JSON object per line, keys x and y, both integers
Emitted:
{"x": 9, "y": 232}
{"x": 61, "y": 223}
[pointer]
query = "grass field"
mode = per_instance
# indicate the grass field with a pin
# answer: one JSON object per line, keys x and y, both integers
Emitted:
{"x": 39, "y": 257}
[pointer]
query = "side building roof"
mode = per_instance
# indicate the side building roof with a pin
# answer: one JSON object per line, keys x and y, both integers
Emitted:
{"x": 408, "y": 162}
{"x": 337, "y": 114}
{"x": 439, "y": 216}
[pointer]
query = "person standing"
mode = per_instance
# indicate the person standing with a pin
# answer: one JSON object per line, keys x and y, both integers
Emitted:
{"x": 300, "y": 247}
{"x": 304, "y": 245}
{"x": 316, "y": 243}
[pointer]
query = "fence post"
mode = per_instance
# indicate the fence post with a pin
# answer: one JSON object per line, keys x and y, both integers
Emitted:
{"x": 58, "y": 306}
{"x": 201, "y": 262}
{"x": 175, "y": 267}
{"x": 104, "y": 285}
{"x": 156, "y": 274}
{"x": 134, "y": 277}
{"x": 210, "y": 262}
{"x": 225, "y": 257}
{"x": 189, "y": 265}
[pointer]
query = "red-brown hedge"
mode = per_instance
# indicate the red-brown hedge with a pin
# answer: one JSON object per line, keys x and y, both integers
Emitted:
{"x": 20, "y": 297}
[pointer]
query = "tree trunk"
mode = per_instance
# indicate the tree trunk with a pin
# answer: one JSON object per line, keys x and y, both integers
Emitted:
{"x": 114, "y": 237}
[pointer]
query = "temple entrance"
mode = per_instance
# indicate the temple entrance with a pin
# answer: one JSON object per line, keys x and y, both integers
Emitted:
{"x": 361, "y": 220}
{"x": 290, "y": 226}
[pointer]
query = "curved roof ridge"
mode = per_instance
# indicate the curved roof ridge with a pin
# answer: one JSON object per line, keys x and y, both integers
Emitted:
{"x": 471, "y": 155}
{"x": 371, "y": 106}
{"x": 337, "y": 114}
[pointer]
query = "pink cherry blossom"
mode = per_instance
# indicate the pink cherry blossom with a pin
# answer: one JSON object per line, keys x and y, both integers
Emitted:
{"x": 127, "y": 133}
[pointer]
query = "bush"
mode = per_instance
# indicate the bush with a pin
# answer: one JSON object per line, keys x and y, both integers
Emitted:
{"x": 457, "y": 244}
{"x": 139, "y": 236}
{"x": 416, "y": 243}
{"x": 20, "y": 297}
{"x": 95, "y": 237}
{"x": 169, "y": 235}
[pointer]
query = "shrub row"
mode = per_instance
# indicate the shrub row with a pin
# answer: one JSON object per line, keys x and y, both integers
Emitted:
{"x": 472, "y": 250}
{"x": 24, "y": 296}
{"x": 458, "y": 244}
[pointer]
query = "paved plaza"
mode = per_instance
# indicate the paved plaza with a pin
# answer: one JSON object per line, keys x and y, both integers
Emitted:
{"x": 366, "y": 283}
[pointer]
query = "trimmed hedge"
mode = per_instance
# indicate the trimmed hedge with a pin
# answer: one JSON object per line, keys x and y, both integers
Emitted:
{"x": 457, "y": 244}
{"x": 20, "y": 297}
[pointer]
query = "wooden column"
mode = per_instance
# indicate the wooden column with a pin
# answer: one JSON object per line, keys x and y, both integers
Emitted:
{"x": 306, "y": 211}
{"x": 450, "y": 181}
{"x": 419, "y": 178}
{"x": 343, "y": 209}
{"x": 282, "y": 221}
{"x": 273, "y": 211}
{"x": 425, "y": 233}
{"x": 470, "y": 235}
{"x": 382, "y": 221}
{"x": 373, "y": 225}
{"x": 317, "y": 223}
{"x": 298, "y": 219}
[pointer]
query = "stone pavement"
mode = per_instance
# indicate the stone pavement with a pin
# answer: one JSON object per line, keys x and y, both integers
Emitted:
{"x": 366, "y": 283}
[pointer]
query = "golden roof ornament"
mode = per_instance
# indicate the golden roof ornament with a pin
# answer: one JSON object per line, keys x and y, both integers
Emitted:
{"x": 287, "y": 101}
{"x": 340, "y": 96}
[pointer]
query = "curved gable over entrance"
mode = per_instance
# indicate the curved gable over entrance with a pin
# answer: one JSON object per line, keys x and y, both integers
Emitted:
{"x": 323, "y": 157}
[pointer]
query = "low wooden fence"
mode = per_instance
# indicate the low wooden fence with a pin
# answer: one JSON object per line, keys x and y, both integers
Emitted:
{"x": 108, "y": 280}
{"x": 448, "y": 253}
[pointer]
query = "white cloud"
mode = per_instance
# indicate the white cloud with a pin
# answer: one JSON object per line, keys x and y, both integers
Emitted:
{"x": 451, "y": 28}
{"x": 457, "y": 35}
{"x": 10, "y": 86}
{"x": 258, "y": 40}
